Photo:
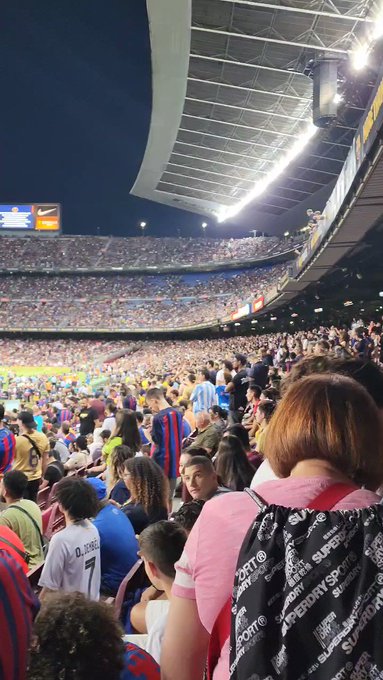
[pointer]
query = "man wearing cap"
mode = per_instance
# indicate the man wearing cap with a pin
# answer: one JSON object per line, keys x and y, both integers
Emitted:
{"x": 32, "y": 450}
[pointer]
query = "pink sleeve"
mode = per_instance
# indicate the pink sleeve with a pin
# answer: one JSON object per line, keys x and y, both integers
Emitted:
{"x": 207, "y": 566}
{"x": 184, "y": 585}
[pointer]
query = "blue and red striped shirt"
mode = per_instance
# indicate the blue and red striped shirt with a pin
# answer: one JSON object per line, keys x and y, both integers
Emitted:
{"x": 7, "y": 449}
{"x": 167, "y": 433}
{"x": 18, "y": 607}
{"x": 66, "y": 415}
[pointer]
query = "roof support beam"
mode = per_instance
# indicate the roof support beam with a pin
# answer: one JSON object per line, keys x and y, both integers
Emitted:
{"x": 232, "y": 153}
{"x": 299, "y": 10}
{"x": 210, "y": 172}
{"x": 308, "y": 181}
{"x": 324, "y": 172}
{"x": 250, "y": 143}
{"x": 201, "y": 179}
{"x": 228, "y": 165}
{"x": 232, "y": 139}
{"x": 200, "y": 191}
{"x": 276, "y": 41}
{"x": 232, "y": 62}
{"x": 244, "y": 108}
{"x": 241, "y": 125}
{"x": 249, "y": 89}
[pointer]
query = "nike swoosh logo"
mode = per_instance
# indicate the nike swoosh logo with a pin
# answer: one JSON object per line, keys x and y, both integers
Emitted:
{"x": 41, "y": 213}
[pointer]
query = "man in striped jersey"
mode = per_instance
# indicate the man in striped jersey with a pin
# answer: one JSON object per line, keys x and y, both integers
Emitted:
{"x": 18, "y": 607}
{"x": 203, "y": 396}
{"x": 7, "y": 445}
{"x": 167, "y": 434}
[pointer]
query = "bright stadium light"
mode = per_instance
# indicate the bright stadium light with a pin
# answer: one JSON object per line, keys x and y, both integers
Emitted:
{"x": 381, "y": 293}
{"x": 338, "y": 98}
{"x": 348, "y": 303}
{"x": 142, "y": 225}
{"x": 318, "y": 310}
{"x": 359, "y": 58}
{"x": 262, "y": 185}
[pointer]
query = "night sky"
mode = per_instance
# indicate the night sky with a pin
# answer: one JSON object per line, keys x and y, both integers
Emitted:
{"x": 75, "y": 114}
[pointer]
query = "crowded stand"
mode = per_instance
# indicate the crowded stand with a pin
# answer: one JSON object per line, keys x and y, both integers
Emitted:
{"x": 112, "y": 497}
{"x": 128, "y": 302}
{"x": 99, "y": 252}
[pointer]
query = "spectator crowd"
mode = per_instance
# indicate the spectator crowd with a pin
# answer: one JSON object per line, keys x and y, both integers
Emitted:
{"x": 113, "y": 498}
{"x": 118, "y": 302}
{"x": 99, "y": 252}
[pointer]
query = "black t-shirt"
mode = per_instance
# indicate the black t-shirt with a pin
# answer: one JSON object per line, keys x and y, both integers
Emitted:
{"x": 54, "y": 472}
{"x": 238, "y": 397}
{"x": 141, "y": 519}
{"x": 258, "y": 374}
{"x": 88, "y": 416}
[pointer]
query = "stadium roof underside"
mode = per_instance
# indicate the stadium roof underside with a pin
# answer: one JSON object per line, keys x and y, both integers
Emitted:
{"x": 231, "y": 94}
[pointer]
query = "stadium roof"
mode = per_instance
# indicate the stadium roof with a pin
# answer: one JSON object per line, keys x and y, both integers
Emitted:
{"x": 232, "y": 94}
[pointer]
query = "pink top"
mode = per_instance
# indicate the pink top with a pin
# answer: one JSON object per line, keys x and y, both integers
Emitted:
{"x": 206, "y": 570}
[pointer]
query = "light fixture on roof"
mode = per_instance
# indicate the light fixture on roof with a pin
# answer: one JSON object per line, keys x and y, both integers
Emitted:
{"x": 254, "y": 321}
{"x": 294, "y": 315}
{"x": 237, "y": 323}
{"x": 318, "y": 309}
{"x": 273, "y": 318}
{"x": 287, "y": 233}
{"x": 359, "y": 57}
{"x": 348, "y": 303}
{"x": 263, "y": 184}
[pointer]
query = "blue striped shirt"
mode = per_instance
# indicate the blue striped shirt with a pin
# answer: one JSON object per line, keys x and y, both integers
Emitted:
{"x": 203, "y": 397}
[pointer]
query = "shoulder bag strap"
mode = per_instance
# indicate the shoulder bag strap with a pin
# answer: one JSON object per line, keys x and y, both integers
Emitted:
{"x": 262, "y": 505}
{"x": 331, "y": 496}
{"x": 36, "y": 448}
{"x": 17, "y": 507}
{"x": 5, "y": 541}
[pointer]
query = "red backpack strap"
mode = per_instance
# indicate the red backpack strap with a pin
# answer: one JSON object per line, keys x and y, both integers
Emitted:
{"x": 219, "y": 635}
{"x": 328, "y": 498}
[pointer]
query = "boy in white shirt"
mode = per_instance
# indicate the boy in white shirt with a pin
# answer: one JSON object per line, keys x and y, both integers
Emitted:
{"x": 161, "y": 546}
{"x": 73, "y": 563}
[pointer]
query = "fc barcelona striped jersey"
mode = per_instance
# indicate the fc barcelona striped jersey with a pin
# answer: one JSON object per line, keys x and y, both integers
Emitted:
{"x": 167, "y": 440}
{"x": 18, "y": 607}
{"x": 7, "y": 449}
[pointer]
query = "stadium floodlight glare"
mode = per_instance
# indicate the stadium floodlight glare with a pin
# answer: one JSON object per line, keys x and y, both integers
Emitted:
{"x": 237, "y": 323}
{"x": 287, "y": 233}
{"x": 359, "y": 58}
{"x": 294, "y": 315}
{"x": 338, "y": 98}
{"x": 142, "y": 225}
{"x": 318, "y": 309}
{"x": 273, "y": 318}
{"x": 280, "y": 165}
{"x": 291, "y": 321}
{"x": 381, "y": 293}
{"x": 348, "y": 303}
{"x": 254, "y": 321}
{"x": 204, "y": 225}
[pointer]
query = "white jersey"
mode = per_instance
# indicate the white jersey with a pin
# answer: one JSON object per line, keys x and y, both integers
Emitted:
{"x": 73, "y": 563}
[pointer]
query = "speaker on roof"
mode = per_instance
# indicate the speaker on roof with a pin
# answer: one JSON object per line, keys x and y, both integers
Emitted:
{"x": 325, "y": 82}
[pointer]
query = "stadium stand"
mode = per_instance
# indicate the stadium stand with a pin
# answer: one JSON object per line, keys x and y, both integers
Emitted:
{"x": 35, "y": 253}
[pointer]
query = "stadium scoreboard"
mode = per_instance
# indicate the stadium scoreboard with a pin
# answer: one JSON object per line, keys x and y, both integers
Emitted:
{"x": 37, "y": 217}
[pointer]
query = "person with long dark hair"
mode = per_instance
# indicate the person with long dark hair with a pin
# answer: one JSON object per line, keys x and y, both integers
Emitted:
{"x": 232, "y": 465}
{"x": 149, "y": 492}
{"x": 125, "y": 433}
